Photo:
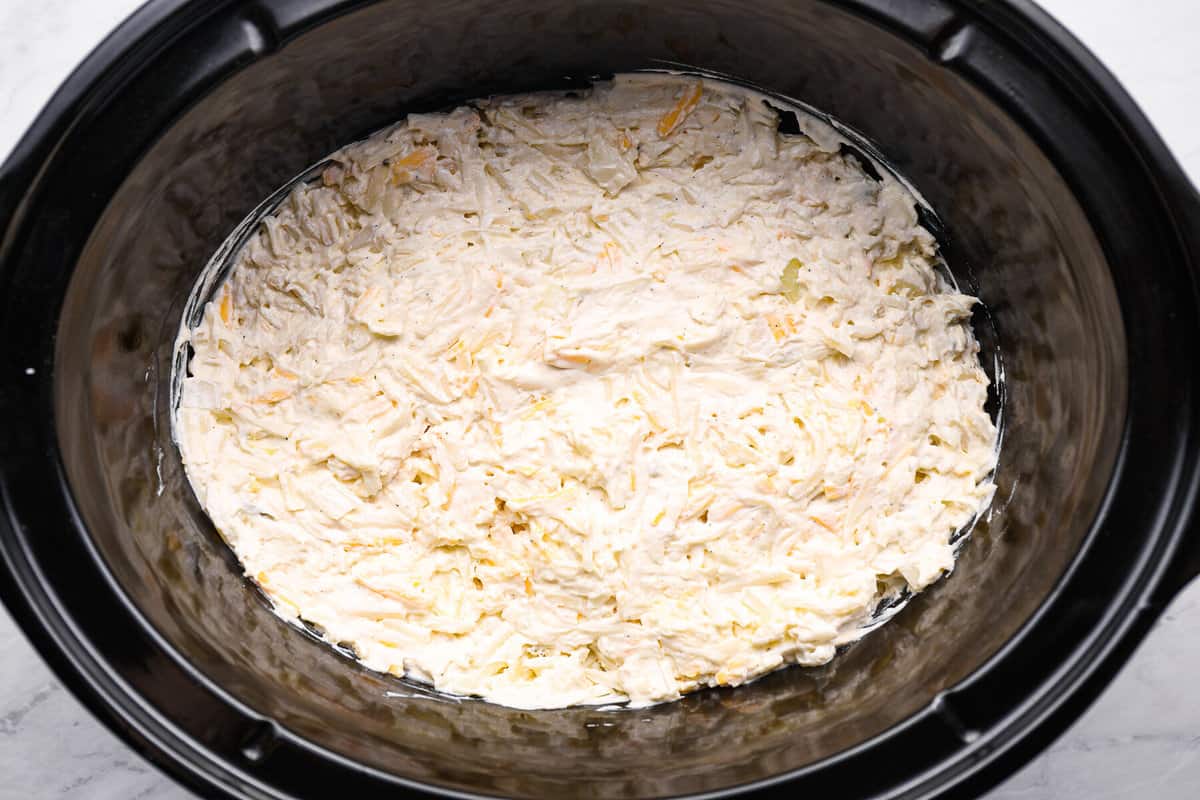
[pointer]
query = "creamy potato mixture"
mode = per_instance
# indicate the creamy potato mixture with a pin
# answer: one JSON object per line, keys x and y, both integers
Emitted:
{"x": 588, "y": 398}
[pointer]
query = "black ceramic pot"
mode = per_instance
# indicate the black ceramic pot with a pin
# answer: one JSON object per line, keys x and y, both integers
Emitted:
{"x": 1061, "y": 209}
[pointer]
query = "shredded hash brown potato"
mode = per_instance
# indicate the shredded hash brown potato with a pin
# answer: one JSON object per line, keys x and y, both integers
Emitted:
{"x": 591, "y": 398}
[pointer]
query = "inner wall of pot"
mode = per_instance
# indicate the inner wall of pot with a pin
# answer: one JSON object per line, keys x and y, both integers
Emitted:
{"x": 1016, "y": 237}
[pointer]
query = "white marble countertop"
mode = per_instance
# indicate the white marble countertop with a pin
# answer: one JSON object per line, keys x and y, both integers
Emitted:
{"x": 1140, "y": 740}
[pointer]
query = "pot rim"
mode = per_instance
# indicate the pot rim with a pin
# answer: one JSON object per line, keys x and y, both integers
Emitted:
{"x": 981, "y": 759}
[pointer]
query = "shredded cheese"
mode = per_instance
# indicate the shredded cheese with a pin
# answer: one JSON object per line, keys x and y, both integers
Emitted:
{"x": 558, "y": 400}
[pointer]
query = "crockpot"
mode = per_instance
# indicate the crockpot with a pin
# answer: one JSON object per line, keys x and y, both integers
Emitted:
{"x": 1055, "y": 203}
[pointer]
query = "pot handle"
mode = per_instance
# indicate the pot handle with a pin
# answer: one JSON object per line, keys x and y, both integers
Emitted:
{"x": 11, "y": 192}
{"x": 1184, "y": 567}
{"x": 8, "y": 199}
{"x": 1185, "y": 563}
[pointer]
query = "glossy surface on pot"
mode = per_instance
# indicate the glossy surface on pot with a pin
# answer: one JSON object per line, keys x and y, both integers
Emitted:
{"x": 1072, "y": 242}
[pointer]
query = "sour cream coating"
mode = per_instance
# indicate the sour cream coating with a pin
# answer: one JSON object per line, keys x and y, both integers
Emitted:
{"x": 586, "y": 398}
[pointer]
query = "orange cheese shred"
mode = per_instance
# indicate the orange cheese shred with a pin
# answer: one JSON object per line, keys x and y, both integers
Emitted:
{"x": 273, "y": 397}
{"x": 684, "y": 106}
